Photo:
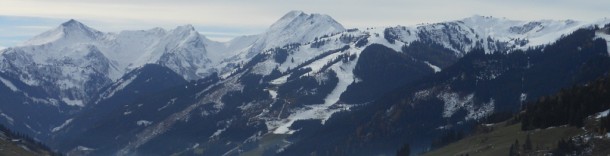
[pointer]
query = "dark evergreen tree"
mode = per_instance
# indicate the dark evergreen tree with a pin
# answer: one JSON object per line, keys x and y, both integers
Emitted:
{"x": 567, "y": 147}
{"x": 569, "y": 106}
{"x": 527, "y": 146}
{"x": 604, "y": 125}
{"x": 280, "y": 55}
{"x": 405, "y": 150}
{"x": 390, "y": 35}
{"x": 511, "y": 150}
{"x": 516, "y": 145}
{"x": 514, "y": 149}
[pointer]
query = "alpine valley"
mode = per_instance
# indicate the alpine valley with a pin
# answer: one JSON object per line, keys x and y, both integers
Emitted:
{"x": 305, "y": 86}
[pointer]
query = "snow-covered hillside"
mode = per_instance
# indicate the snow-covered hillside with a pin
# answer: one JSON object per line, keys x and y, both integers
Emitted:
{"x": 490, "y": 33}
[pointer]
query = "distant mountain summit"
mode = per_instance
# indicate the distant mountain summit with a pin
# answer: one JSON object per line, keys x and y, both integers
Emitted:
{"x": 69, "y": 31}
{"x": 297, "y": 27}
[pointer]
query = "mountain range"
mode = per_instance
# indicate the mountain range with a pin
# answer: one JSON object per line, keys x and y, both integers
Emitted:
{"x": 306, "y": 85}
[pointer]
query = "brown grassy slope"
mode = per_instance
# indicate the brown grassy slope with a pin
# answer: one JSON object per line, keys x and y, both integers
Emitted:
{"x": 498, "y": 141}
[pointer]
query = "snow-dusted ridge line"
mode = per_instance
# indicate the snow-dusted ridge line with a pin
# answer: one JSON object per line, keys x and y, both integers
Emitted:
{"x": 490, "y": 33}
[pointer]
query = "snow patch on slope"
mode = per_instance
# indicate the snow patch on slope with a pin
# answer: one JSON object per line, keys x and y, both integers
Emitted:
{"x": 9, "y": 84}
{"x": 264, "y": 68}
{"x": 330, "y": 105}
{"x": 170, "y": 102}
{"x": 58, "y": 128}
{"x": 143, "y": 123}
{"x": 475, "y": 113}
{"x": 435, "y": 68}
{"x": 8, "y": 118}
{"x": 280, "y": 80}
{"x": 602, "y": 114}
{"x": 119, "y": 86}
{"x": 273, "y": 93}
{"x": 218, "y": 132}
{"x": 83, "y": 148}
{"x": 454, "y": 102}
{"x": 73, "y": 102}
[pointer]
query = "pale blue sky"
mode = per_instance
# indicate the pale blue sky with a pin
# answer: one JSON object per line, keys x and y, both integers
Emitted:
{"x": 224, "y": 19}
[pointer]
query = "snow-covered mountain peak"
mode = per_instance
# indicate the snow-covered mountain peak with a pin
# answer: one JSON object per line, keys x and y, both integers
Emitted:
{"x": 185, "y": 34}
{"x": 70, "y": 31}
{"x": 296, "y": 27}
{"x": 72, "y": 23}
{"x": 290, "y": 15}
{"x": 184, "y": 28}
{"x": 295, "y": 19}
{"x": 73, "y": 27}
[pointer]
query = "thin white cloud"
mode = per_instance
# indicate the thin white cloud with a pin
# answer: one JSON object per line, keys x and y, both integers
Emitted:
{"x": 221, "y": 33}
{"x": 219, "y": 38}
{"x": 35, "y": 27}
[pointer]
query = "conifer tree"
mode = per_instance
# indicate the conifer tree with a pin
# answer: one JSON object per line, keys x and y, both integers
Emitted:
{"x": 527, "y": 146}
{"x": 405, "y": 150}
